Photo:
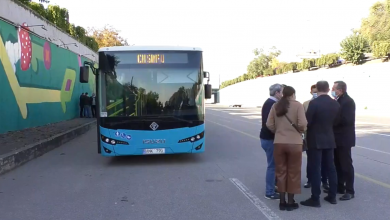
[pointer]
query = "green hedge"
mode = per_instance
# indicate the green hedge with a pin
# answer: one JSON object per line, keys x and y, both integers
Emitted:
{"x": 381, "y": 49}
{"x": 60, "y": 17}
{"x": 325, "y": 60}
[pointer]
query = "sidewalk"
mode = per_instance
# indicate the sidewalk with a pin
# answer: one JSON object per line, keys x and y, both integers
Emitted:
{"x": 18, "y": 147}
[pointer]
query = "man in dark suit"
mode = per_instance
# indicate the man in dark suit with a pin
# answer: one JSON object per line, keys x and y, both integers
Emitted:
{"x": 81, "y": 103}
{"x": 345, "y": 136}
{"x": 322, "y": 114}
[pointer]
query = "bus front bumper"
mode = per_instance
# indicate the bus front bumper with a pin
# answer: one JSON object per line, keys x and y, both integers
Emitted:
{"x": 126, "y": 150}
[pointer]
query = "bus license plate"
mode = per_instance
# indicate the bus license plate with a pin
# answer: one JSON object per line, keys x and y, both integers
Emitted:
{"x": 154, "y": 151}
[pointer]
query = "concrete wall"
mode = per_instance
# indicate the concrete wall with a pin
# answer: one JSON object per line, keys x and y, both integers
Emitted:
{"x": 18, "y": 13}
{"x": 367, "y": 84}
{"x": 38, "y": 80}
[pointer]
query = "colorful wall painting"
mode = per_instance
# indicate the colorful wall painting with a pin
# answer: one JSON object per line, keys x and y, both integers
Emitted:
{"x": 37, "y": 78}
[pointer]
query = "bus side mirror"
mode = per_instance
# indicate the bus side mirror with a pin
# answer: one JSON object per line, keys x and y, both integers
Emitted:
{"x": 206, "y": 75}
{"x": 84, "y": 74}
{"x": 207, "y": 91}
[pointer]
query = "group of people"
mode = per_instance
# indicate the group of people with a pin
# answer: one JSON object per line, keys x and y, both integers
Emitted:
{"x": 87, "y": 105}
{"x": 324, "y": 127}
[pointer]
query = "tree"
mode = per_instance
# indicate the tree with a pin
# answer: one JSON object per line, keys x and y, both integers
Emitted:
{"x": 376, "y": 27}
{"x": 262, "y": 62}
{"x": 274, "y": 63}
{"x": 262, "y": 65}
{"x": 26, "y": 2}
{"x": 60, "y": 18}
{"x": 353, "y": 48}
{"x": 107, "y": 37}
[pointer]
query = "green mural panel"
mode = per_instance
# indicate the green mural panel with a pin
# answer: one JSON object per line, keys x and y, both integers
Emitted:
{"x": 37, "y": 79}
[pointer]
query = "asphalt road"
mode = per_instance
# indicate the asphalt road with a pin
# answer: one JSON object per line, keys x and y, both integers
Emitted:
{"x": 226, "y": 182}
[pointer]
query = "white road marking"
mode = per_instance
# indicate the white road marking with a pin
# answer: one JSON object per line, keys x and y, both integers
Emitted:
{"x": 369, "y": 123}
{"x": 267, "y": 212}
{"x": 252, "y": 117}
{"x": 244, "y": 113}
{"x": 256, "y": 115}
{"x": 368, "y": 132}
{"x": 236, "y": 119}
{"x": 379, "y": 151}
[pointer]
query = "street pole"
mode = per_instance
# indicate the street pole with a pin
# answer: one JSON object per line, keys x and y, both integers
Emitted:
{"x": 219, "y": 82}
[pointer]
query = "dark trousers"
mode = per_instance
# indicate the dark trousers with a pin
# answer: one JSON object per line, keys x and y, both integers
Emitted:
{"x": 345, "y": 169}
{"x": 81, "y": 111}
{"x": 324, "y": 175}
{"x": 315, "y": 158}
{"x": 93, "y": 108}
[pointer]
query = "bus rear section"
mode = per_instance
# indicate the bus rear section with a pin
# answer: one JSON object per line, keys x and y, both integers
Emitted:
{"x": 151, "y": 101}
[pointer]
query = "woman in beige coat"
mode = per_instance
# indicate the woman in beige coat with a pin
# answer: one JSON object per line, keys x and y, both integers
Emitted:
{"x": 288, "y": 121}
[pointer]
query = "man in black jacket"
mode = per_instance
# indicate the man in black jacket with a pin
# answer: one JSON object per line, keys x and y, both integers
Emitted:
{"x": 267, "y": 140}
{"x": 322, "y": 114}
{"x": 345, "y": 136}
{"x": 81, "y": 103}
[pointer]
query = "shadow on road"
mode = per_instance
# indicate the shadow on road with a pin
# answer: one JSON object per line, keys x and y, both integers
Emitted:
{"x": 145, "y": 160}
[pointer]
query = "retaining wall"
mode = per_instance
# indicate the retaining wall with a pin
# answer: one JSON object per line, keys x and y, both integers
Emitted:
{"x": 367, "y": 84}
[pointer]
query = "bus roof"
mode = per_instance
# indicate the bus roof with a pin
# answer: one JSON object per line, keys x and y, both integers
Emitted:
{"x": 146, "y": 48}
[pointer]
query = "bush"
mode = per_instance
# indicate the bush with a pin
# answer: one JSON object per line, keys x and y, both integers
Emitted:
{"x": 381, "y": 49}
{"x": 353, "y": 48}
{"x": 60, "y": 17}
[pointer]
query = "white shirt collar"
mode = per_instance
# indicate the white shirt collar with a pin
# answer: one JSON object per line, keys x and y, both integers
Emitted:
{"x": 273, "y": 98}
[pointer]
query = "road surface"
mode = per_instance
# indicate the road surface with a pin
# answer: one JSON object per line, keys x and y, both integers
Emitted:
{"x": 226, "y": 182}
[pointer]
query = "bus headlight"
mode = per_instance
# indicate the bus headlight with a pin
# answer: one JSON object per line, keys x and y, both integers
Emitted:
{"x": 193, "y": 138}
{"x": 112, "y": 141}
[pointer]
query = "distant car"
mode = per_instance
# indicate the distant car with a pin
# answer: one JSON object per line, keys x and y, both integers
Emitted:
{"x": 235, "y": 106}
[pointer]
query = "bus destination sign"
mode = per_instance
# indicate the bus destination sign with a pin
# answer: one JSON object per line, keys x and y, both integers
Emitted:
{"x": 150, "y": 58}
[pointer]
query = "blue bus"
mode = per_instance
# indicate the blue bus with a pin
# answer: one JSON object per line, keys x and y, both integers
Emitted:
{"x": 150, "y": 100}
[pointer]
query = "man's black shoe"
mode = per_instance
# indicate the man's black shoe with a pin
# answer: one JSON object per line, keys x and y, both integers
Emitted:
{"x": 307, "y": 185}
{"x": 311, "y": 203}
{"x": 347, "y": 196}
{"x": 275, "y": 196}
{"x": 330, "y": 200}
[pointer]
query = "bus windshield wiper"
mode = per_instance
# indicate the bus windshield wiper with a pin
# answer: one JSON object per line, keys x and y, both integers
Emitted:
{"x": 180, "y": 119}
{"x": 165, "y": 116}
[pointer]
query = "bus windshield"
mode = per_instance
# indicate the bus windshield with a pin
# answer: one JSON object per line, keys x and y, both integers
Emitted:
{"x": 152, "y": 84}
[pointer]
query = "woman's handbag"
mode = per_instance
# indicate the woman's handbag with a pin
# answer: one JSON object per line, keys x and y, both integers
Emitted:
{"x": 304, "y": 145}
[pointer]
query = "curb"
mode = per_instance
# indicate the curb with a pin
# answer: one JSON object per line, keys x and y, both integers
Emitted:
{"x": 19, "y": 157}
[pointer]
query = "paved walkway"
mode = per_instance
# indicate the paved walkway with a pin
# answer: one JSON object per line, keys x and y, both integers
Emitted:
{"x": 15, "y": 140}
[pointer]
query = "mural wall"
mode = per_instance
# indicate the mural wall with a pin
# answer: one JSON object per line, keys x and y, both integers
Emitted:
{"x": 38, "y": 80}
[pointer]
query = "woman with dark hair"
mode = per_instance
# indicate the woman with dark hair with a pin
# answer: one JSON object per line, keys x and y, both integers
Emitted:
{"x": 288, "y": 121}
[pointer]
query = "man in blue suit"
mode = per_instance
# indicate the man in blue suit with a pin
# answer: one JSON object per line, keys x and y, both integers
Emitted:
{"x": 322, "y": 114}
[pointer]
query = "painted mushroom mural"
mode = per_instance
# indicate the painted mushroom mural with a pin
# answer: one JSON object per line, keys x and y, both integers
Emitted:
{"x": 47, "y": 55}
{"x": 25, "y": 47}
